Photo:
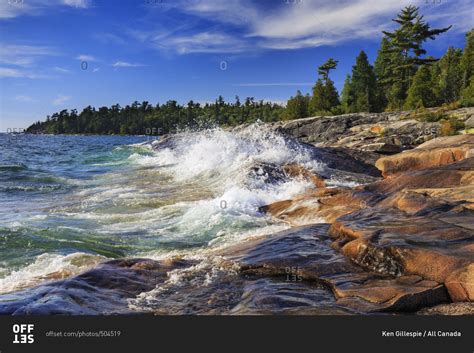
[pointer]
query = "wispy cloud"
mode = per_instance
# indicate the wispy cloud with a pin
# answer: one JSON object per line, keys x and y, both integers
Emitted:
{"x": 81, "y": 4}
{"x": 21, "y": 61}
{"x": 187, "y": 42}
{"x": 249, "y": 25}
{"x": 23, "y": 55}
{"x": 19, "y": 73}
{"x": 126, "y": 64}
{"x": 61, "y": 99}
{"x": 25, "y": 99}
{"x": 11, "y": 9}
{"x": 61, "y": 70}
{"x": 85, "y": 57}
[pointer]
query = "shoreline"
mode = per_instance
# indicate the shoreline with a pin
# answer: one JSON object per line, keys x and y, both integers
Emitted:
{"x": 354, "y": 263}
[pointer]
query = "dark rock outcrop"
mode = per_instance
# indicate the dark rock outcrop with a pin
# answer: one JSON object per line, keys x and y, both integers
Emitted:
{"x": 102, "y": 290}
{"x": 382, "y": 133}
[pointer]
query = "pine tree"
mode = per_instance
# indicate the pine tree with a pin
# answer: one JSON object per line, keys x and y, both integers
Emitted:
{"x": 362, "y": 86}
{"x": 385, "y": 68}
{"x": 467, "y": 96}
{"x": 421, "y": 93}
{"x": 325, "y": 68}
{"x": 467, "y": 61}
{"x": 449, "y": 76}
{"x": 467, "y": 69}
{"x": 407, "y": 40}
{"x": 297, "y": 107}
{"x": 325, "y": 96}
{"x": 346, "y": 95}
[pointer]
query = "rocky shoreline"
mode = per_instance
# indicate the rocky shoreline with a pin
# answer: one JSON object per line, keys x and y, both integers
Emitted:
{"x": 402, "y": 241}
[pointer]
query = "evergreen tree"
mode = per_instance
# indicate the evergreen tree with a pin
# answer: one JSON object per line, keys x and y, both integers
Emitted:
{"x": 449, "y": 74}
{"x": 407, "y": 40}
{"x": 325, "y": 68}
{"x": 362, "y": 86}
{"x": 346, "y": 95}
{"x": 467, "y": 69}
{"x": 421, "y": 92}
{"x": 325, "y": 96}
{"x": 385, "y": 68}
{"x": 467, "y": 96}
{"x": 297, "y": 107}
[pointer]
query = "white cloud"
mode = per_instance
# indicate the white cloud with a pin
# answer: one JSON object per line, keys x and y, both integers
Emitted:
{"x": 96, "y": 69}
{"x": 61, "y": 70}
{"x": 18, "y": 73}
{"x": 126, "y": 64}
{"x": 201, "y": 42}
{"x": 21, "y": 61}
{"x": 25, "y": 99}
{"x": 245, "y": 25}
{"x": 84, "y": 57}
{"x": 61, "y": 99}
{"x": 23, "y": 55}
{"x": 14, "y": 8}
{"x": 82, "y": 4}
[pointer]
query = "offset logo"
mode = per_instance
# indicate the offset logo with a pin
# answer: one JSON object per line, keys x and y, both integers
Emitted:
{"x": 23, "y": 333}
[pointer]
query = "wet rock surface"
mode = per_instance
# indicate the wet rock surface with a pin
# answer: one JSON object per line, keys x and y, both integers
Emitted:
{"x": 102, "y": 290}
{"x": 417, "y": 223}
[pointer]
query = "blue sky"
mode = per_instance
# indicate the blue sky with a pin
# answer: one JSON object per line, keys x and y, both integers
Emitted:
{"x": 65, "y": 54}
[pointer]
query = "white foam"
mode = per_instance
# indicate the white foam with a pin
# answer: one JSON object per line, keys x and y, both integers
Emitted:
{"x": 49, "y": 267}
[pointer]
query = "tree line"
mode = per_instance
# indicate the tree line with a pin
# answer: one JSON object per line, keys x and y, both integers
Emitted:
{"x": 144, "y": 118}
{"x": 403, "y": 77}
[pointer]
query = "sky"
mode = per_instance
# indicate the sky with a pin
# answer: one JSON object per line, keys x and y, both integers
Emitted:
{"x": 68, "y": 54}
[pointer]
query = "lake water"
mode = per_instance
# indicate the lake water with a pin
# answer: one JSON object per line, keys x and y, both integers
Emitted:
{"x": 70, "y": 202}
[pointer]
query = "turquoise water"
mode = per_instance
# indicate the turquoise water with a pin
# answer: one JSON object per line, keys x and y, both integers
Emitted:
{"x": 40, "y": 178}
{"x": 69, "y": 202}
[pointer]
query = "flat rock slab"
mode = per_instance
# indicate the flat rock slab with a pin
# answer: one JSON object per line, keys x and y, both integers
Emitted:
{"x": 304, "y": 255}
{"x": 434, "y": 153}
{"x": 103, "y": 290}
{"x": 416, "y": 222}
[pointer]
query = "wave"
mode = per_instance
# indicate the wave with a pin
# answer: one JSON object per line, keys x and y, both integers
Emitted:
{"x": 13, "y": 167}
{"x": 201, "y": 191}
{"x": 48, "y": 267}
{"x": 217, "y": 182}
{"x": 203, "y": 186}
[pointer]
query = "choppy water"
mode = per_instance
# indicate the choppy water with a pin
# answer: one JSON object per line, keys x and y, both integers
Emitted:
{"x": 69, "y": 202}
